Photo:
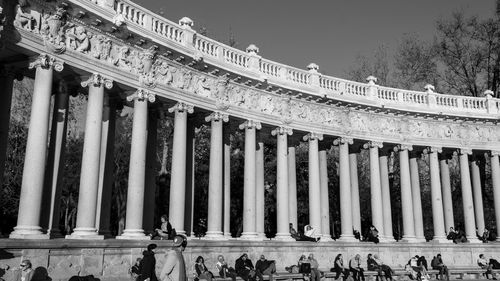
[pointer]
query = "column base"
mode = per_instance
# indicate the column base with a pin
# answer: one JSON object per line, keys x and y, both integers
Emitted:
{"x": 85, "y": 233}
{"x": 228, "y": 235}
{"x": 106, "y": 233}
{"x": 441, "y": 240}
{"x": 133, "y": 234}
{"x": 346, "y": 238}
{"x": 409, "y": 239}
{"x": 54, "y": 233}
{"x": 386, "y": 239}
{"x": 474, "y": 240}
{"x": 261, "y": 235}
{"x": 214, "y": 235}
{"x": 283, "y": 237}
{"x": 28, "y": 232}
{"x": 249, "y": 236}
{"x": 421, "y": 239}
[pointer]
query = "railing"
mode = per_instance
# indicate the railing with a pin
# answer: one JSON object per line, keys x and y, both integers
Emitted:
{"x": 284, "y": 75}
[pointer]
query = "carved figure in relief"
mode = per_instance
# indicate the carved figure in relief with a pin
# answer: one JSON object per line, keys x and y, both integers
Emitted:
{"x": 185, "y": 79}
{"x": 53, "y": 31}
{"x": 77, "y": 39}
{"x": 96, "y": 45}
{"x": 203, "y": 87}
{"x": 299, "y": 110}
{"x": 137, "y": 61}
{"x": 252, "y": 100}
{"x": 163, "y": 72}
{"x": 267, "y": 104}
{"x": 121, "y": 59}
{"x": 236, "y": 96}
{"x": 23, "y": 18}
{"x": 105, "y": 47}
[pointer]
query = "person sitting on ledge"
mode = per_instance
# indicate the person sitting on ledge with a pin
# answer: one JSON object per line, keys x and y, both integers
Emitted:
{"x": 372, "y": 234}
{"x": 295, "y": 235}
{"x": 165, "y": 231}
{"x": 202, "y": 272}
{"x": 265, "y": 267}
{"x": 224, "y": 270}
{"x": 356, "y": 269}
{"x": 339, "y": 268}
{"x": 387, "y": 270}
{"x": 437, "y": 264}
{"x": 484, "y": 264}
{"x": 244, "y": 268}
{"x": 310, "y": 234}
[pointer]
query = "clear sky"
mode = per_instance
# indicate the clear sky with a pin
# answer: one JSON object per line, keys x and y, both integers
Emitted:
{"x": 331, "y": 33}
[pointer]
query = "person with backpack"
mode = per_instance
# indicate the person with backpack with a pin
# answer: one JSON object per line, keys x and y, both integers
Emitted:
{"x": 437, "y": 264}
{"x": 484, "y": 264}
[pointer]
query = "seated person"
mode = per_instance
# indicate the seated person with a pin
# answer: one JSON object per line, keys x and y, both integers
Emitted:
{"x": 372, "y": 234}
{"x": 339, "y": 268}
{"x": 315, "y": 273}
{"x": 304, "y": 266}
{"x": 165, "y": 231}
{"x": 224, "y": 270}
{"x": 485, "y": 236}
{"x": 451, "y": 234}
{"x": 265, "y": 267}
{"x": 244, "y": 268}
{"x": 310, "y": 233}
{"x": 201, "y": 270}
{"x": 418, "y": 269}
{"x": 356, "y": 269}
{"x": 357, "y": 235}
{"x": 135, "y": 270}
{"x": 295, "y": 235}
{"x": 484, "y": 264}
{"x": 387, "y": 270}
{"x": 437, "y": 264}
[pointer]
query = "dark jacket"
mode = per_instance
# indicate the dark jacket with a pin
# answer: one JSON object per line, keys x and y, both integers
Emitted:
{"x": 372, "y": 264}
{"x": 148, "y": 266}
{"x": 241, "y": 267}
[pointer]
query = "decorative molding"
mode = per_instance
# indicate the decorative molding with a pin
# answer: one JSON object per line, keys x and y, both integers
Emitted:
{"x": 495, "y": 152}
{"x": 181, "y": 107}
{"x": 250, "y": 124}
{"x": 433, "y": 149}
{"x": 98, "y": 80}
{"x": 46, "y": 61}
{"x": 343, "y": 140}
{"x": 400, "y": 147}
{"x": 467, "y": 151}
{"x": 141, "y": 95}
{"x": 313, "y": 136}
{"x": 373, "y": 144}
{"x": 281, "y": 130}
{"x": 217, "y": 116}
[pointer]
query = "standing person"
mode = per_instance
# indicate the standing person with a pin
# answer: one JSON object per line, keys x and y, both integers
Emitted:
{"x": 437, "y": 264}
{"x": 265, "y": 267}
{"x": 175, "y": 267}
{"x": 356, "y": 269}
{"x": 484, "y": 264}
{"x": 201, "y": 270}
{"x": 25, "y": 271}
{"x": 245, "y": 269}
{"x": 224, "y": 270}
{"x": 148, "y": 264}
{"x": 339, "y": 268}
{"x": 315, "y": 273}
{"x": 165, "y": 231}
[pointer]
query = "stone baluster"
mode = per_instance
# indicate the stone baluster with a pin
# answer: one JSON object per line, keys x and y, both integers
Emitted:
{"x": 376, "y": 191}
{"x": 216, "y": 175}
{"x": 249, "y": 203}
{"x": 346, "y": 233}
{"x": 387, "y": 235}
{"x": 259, "y": 187}
{"x": 314, "y": 181}
{"x": 478, "y": 196}
{"x": 353, "y": 170}
{"x": 282, "y": 213}
{"x": 137, "y": 168}
{"x": 89, "y": 176}
{"x": 406, "y": 193}
{"x": 325, "y": 198}
{"x": 416, "y": 198}
{"x": 292, "y": 187}
{"x": 495, "y": 182}
{"x": 179, "y": 164}
{"x": 437, "y": 205}
{"x": 28, "y": 219}
{"x": 467, "y": 201}
{"x": 446, "y": 191}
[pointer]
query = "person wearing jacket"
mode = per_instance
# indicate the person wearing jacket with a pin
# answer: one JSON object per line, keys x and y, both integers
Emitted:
{"x": 148, "y": 264}
{"x": 245, "y": 269}
{"x": 175, "y": 267}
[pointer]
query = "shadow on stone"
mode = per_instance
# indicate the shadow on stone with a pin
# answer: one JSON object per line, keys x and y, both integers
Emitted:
{"x": 84, "y": 278}
{"x": 5, "y": 255}
{"x": 41, "y": 274}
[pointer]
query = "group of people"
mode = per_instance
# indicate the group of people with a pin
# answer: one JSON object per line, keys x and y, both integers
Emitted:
{"x": 488, "y": 265}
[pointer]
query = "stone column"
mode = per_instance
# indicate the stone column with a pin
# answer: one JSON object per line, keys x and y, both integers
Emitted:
{"x": 137, "y": 167}
{"x": 416, "y": 198}
{"x": 259, "y": 188}
{"x": 28, "y": 219}
{"x": 325, "y": 199}
{"x": 495, "y": 181}
{"x": 282, "y": 216}
{"x": 478, "y": 196}
{"x": 6, "y": 86}
{"x": 446, "y": 190}
{"x": 249, "y": 198}
{"x": 292, "y": 187}
{"x": 437, "y": 205}
{"x": 346, "y": 233}
{"x": 178, "y": 174}
{"x": 215, "y": 177}
{"x": 376, "y": 192}
{"x": 314, "y": 181}
{"x": 387, "y": 235}
{"x": 468, "y": 203}
{"x": 227, "y": 183}
{"x": 356, "y": 209}
{"x": 406, "y": 194}
{"x": 55, "y": 162}
{"x": 89, "y": 176}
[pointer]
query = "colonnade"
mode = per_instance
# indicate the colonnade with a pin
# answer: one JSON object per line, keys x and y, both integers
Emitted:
{"x": 93, "y": 202}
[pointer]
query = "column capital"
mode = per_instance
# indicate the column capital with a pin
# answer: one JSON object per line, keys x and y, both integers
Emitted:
{"x": 142, "y": 95}
{"x": 217, "y": 116}
{"x": 465, "y": 151}
{"x": 181, "y": 107}
{"x": 313, "y": 136}
{"x": 281, "y": 130}
{"x": 495, "y": 152}
{"x": 400, "y": 147}
{"x": 250, "y": 124}
{"x": 45, "y": 62}
{"x": 372, "y": 144}
{"x": 431, "y": 149}
{"x": 343, "y": 140}
{"x": 98, "y": 80}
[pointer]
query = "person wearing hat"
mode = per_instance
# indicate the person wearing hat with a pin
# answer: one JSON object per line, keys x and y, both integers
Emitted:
{"x": 175, "y": 267}
{"x": 148, "y": 264}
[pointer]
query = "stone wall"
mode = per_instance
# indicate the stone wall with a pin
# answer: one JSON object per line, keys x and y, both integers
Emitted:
{"x": 110, "y": 260}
